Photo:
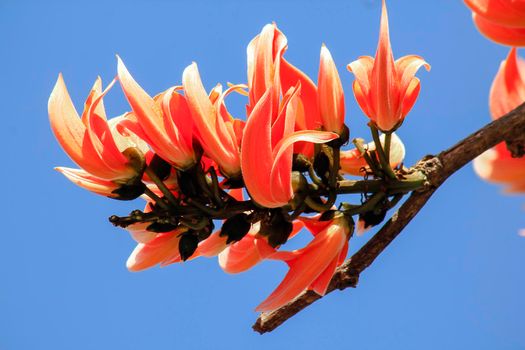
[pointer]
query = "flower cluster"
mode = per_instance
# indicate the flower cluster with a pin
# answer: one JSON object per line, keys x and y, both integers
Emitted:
{"x": 196, "y": 164}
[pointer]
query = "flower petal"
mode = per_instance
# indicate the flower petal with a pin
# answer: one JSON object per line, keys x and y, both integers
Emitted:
{"x": 508, "y": 89}
{"x": 246, "y": 253}
{"x": 89, "y": 182}
{"x": 497, "y": 165}
{"x": 501, "y": 34}
{"x": 155, "y": 251}
{"x": 504, "y": 12}
{"x": 205, "y": 118}
{"x": 290, "y": 76}
{"x": 256, "y": 152}
{"x": 384, "y": 94}
{"x": 331, "y": 98}
{"x": 310, "y": 262}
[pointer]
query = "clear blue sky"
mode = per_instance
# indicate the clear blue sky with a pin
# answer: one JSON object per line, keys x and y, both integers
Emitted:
{"x": 453, "y": 280}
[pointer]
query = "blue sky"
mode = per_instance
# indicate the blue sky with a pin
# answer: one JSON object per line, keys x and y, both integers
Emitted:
{"x": 454, "y": 279}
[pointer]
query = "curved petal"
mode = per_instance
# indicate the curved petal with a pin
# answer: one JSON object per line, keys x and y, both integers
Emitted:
{"x": 205, "y": 118}
{"x": 101, "y": 138}
{"x": 363, "y": 101}
{"x": 407, "y": 67}
{"x": 362, "y": 70}
{"x": 265, "y": 58}
{"x": 256, "y": 152}
{"x": 504, "y": 12}
{"x": 89, "y": 182}
{"x": 508, "y": 89}
{"x": 290, "y": 76}
{"x": 410, "y": 97}
{"x": 497, "y": 165}
{"x": 246, "y": 253}
{"x": 501, "y": 34}
{"x": 154, "y": 122}
{"x": 308, "y": 264}
{"x": 280, "y": 175}
{"x": 155, "y": 251}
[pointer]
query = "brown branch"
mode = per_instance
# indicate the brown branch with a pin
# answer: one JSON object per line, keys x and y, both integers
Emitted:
{"x": 438, "y": 168}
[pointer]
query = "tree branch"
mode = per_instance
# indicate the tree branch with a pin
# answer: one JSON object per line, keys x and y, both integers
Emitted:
{"x": 510, "y": 128}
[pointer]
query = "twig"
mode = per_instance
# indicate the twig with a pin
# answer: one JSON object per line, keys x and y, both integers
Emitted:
{"x": 437, "y": 169}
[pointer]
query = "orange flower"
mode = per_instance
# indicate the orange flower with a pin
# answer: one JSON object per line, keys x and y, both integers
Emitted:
{"x": 502, "y": 21}
{"x": 264, "y": 60}
{"x": 352, "y": 161}
{"x": 385, "y": 89}
{"x": 166, "y": 125}
{"x": 507, "y": 92}
{"x": 267, "y": 66}
{"x": 217, "y": 131}
{"x": 313, "y": 266}
{"x": 109, "y": 160}
{"x": 266, "y": 150}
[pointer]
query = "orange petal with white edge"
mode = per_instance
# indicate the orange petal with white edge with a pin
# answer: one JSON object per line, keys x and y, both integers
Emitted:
{"x": 256, "y": 151}
{"x": 409, "y": 85}
{"x": 89, "y": 182}
{"x": 307, "y": 265}
{"x": 210, "y": 247}
{"x": 155, "y": 251}
{"x": 330, "y": 94}
{"x": 250, "y": 250}
{"x": 205, "y": 117}
{"x": 246, "y": 253}
{"x": 264, "y": 55}
{"x": 501, "y": 34}
{"x": 508, "y": 89}
{"x": 101, "y": 139}
{"x": 290, "y": 75}
{"x": 280, "y": 175}
{"x": 497, "y": 165}
{"x": 155, "y": 123}
{"x": 70, "y": 132}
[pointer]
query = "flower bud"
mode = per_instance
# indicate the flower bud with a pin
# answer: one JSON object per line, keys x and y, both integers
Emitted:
{"x": 235, "y": 228}
{"x": 276, "y": 227}
{"x": 188, "y": 244}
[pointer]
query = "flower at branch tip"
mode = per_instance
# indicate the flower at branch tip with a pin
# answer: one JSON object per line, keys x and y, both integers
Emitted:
{"x": 386, "y": 90}
{"x": 502, "y": 21}
{"x": 112, "y": 164}
{"x": 352, "y": 161}
{"x": 165, "y": 124}
{"x": 330, "y": 94}
{"x": 267, "y": 152}
{"x": 507, "y": 92}
{"x": 215, "y": 128}
{"x": 313, "y": 266}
